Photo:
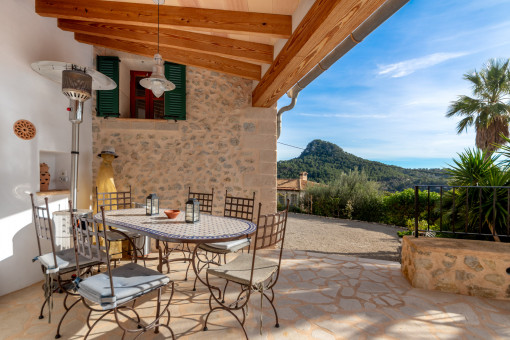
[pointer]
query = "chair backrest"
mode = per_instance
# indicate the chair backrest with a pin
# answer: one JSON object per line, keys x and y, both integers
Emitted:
{"x": 43, "y": 225}
{"x": 113, "y": 200}
{"x": 90, "y": 241}
{"x": 205, "y": 200}
{"x": 271, "y": 229}
{"x": 270, "y": 232}
{"x": 239, "y": 207}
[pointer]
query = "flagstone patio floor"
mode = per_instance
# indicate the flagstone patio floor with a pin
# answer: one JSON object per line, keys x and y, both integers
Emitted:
{"x": 319, "y": 296}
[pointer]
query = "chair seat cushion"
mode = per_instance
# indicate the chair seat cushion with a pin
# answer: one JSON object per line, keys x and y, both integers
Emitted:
{"x": 113, "y": 236}
{"x": 66, "y": 261}
{"x": 239, "y": 269}
{"x": 129, "y": 282}
{"x": 225, "y": 247}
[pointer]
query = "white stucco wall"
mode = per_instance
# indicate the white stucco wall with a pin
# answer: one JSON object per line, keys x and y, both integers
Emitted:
{"x": 26, "y": 37}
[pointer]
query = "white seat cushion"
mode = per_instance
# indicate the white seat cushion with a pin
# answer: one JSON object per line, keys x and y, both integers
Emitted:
{"x": 239, "y": 269}
{"x": 66, "y": 260}
{"x": 230, "y": 244}
{"x": 129, "y": 282}
{"x": 232, "y": 248}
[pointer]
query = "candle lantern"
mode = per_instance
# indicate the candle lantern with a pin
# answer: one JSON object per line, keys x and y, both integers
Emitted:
{"x": 152, "y": 205}
{"x": 192, "y": 210}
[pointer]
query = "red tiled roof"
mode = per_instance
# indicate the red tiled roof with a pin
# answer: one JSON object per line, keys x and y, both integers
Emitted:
{"x": 293, "y": 184}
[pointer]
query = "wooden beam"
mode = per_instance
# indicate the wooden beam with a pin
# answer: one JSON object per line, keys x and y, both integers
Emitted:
{"x": 127, "y": 13}
{"x": 225, "y": 47}
{"x": 327, "y": 23}
{"x": 208, "y": 61}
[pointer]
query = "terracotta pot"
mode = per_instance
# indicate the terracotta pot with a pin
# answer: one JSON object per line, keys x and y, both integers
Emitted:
{"x": 44, "y": 176}
{"x": 171, "y": 214}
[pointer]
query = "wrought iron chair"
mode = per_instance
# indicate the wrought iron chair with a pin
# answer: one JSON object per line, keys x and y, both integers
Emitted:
{"x": 250, "y": 271}
{"x": 206, "y": 205}
{"x": 121, "y": 200}
{"x": 205, "y": 200}
{"x": 112, "y": 291}
{"x": 56, "y": 264}
{"x": 235, "y": 207}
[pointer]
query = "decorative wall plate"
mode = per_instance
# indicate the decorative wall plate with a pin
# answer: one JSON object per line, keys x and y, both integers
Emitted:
{"x": 24, "y": 129}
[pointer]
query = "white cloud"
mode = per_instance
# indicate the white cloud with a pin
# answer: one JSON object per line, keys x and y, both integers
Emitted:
{"x": 485, "y": 32}
{"x": 407, "y": 67}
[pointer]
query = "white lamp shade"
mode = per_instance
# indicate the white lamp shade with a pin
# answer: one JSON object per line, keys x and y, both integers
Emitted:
{"x": 157, "y": 82}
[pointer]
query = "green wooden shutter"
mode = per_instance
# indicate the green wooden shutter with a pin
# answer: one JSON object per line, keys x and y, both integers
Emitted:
{"x": 108, "y": 100}
{"x": 175, "y": 100}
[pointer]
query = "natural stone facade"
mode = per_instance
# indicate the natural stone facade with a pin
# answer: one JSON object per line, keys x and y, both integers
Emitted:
{"x": 468, "y": 267}
{"x": 225, "y": 144}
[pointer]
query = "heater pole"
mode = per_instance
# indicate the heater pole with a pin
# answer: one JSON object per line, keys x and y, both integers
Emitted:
{"x": 75, "y": 117}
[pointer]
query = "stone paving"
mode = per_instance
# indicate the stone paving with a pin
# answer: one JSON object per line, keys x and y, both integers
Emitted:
{"x": 319, "y": 296}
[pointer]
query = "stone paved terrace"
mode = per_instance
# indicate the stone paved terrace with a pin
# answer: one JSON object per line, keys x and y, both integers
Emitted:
{"x": 322, "y": 296}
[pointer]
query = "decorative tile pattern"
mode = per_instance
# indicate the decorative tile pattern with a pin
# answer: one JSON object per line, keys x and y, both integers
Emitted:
{"x": 160, "y": 227}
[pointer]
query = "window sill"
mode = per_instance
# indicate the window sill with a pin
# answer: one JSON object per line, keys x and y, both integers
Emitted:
{"x": 140, "y": 119}
{"x": 138, "y": 124}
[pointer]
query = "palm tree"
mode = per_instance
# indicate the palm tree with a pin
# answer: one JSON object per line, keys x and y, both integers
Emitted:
{"x": 489, "y": 109}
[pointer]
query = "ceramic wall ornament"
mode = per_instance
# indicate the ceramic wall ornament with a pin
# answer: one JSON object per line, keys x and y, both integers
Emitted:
{"x": 24, "y": 129}
{"x": 44, "y": 176}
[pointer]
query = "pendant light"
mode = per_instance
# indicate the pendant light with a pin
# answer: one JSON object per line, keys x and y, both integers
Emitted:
{"x": 157, "y": 82}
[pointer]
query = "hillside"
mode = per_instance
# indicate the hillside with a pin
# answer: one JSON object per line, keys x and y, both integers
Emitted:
{"x": 324, "y": 161}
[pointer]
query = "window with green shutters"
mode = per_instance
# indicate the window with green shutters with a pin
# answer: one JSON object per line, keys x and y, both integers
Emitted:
{"x": 108, "y": 100}
{"x": 175, "y": 101}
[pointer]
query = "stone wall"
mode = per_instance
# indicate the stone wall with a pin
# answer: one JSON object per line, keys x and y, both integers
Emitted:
{"x": 225, "y": 144}
{"x": 468, "y": 267}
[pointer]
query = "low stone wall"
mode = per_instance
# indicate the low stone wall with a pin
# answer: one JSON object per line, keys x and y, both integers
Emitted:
{"x": 468, "y": 267}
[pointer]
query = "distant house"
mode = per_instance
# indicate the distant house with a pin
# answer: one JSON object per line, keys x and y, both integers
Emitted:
{"x": 293, "y": 189}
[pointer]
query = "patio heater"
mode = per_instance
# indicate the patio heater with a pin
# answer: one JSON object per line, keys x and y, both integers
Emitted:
{"x": 77, "y": 85}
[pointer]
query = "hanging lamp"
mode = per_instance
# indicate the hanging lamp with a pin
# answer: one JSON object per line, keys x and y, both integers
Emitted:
{"x": 157, "y": 82}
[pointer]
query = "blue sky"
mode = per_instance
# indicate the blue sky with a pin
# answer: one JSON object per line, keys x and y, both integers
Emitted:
{"x": 386, "y": 99}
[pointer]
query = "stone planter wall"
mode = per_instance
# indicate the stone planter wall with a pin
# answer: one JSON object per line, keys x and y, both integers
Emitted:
{"x": 225, "y": 143}
{"x": 468, "y": 267}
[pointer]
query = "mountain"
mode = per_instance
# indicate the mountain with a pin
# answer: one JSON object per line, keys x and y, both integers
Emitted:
{"x": 324, "y": 161}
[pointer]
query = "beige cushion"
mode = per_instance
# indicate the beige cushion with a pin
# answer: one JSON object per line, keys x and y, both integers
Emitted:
{"x": 229, "y": 244}
{"x": 211, "y": 248}
{"x": 239, "y": 269}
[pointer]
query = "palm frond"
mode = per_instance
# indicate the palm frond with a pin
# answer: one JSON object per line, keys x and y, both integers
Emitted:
{"x": 488, "y": 110}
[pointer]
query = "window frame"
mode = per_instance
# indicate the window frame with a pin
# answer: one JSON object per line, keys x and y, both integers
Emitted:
{"x": 149, "y": 97}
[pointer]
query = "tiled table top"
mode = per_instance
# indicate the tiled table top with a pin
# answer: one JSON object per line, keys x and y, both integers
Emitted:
{"x": 160, "y": 227}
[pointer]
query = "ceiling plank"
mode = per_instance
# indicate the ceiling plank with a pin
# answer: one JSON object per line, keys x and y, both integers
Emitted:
{"x": 327, "y": 23}
{"x": 275, "y": 25}
{"x": 208, "y": 61}
{"x": 225, "y": 47}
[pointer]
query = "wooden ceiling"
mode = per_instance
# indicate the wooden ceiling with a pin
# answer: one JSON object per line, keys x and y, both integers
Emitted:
{"x": 230, "y": 36}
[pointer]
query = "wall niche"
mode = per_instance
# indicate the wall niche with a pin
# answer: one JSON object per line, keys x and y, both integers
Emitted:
{"x": 59, "y": 168}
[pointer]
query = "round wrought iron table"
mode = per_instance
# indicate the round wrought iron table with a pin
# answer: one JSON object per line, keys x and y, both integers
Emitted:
{"x": 209, "y": 229}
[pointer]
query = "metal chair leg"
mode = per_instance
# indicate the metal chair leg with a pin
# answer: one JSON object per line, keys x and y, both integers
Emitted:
{"x": 41, "y": 316}
{"x": 57, "y": 336}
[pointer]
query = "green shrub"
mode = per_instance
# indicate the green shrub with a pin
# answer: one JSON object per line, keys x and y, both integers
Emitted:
{"x": 422, "y": 225}
{"x": 294, "y": 209}
{"x": 399, "y": 207}
{"x": 478, "y": 168}
{"x": 351, "y": 196}
{"x": 404, "y": 233}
